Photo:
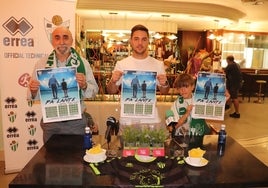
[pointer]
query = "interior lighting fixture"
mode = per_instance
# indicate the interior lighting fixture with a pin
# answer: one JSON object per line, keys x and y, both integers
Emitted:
{"x": 214, "y": 33}
{"x": 120, "y": 34}
{"x": 113, "y": 13}
{"x": 219, "y": 37}
{"x": 157, "y": 36}
{"x": 258, "y": 3}
{"x": 211, "y": 36}
{"x": 251, "y": 37}
{"x": 105, "y": 34}
{"x": 172, "y": 37}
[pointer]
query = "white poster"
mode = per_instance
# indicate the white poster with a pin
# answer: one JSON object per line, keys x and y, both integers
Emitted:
{"x": 209, "y": 96}
{"x": 138, "y": 95}
{"x": 25, "y": 34}
{"x": 59, "y": 94}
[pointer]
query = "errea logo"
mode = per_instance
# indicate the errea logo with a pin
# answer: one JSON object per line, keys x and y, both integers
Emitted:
{"x": 14, "y": 26}
{"x": 21, "y": 26}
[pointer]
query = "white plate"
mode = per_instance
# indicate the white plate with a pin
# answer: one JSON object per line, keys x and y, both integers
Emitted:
{"x": 204, "y": 162}
{"x": 94, "y": 161}
{"x": 144, "y": 158}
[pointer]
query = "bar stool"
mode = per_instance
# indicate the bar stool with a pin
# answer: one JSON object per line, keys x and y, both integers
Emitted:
{"x": 241, "y": 91}
{"x": 260, "y": 93}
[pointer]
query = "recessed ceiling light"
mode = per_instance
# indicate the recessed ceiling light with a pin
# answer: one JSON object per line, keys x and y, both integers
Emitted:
{"x": 258, "y": 3}
{"x": 165, "y": 15}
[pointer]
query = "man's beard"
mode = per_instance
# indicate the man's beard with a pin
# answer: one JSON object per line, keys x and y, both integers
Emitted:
{"x": 140, "y": 52}
{"x": 62, "y": 50}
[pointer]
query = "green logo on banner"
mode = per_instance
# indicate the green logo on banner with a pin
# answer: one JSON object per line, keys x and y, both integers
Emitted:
{"x": 14, "y": 145}
{"x": 30, "y": 103}
{"x": 12, "y": 116}
{"x": 32, "y": 130}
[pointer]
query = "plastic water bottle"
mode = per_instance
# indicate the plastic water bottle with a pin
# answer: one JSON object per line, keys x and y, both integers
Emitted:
{"x": 87, "y": 138}
{"x": 221, "y": 141}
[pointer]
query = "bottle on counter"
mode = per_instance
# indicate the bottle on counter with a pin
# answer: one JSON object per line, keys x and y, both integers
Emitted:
{"x": 221, "y": 141}
{"x": 87, "y": 138}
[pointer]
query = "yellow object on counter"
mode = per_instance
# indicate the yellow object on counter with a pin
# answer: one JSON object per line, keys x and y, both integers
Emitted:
{"x": 95, "y": 149}
{"x": 196, "y": 152}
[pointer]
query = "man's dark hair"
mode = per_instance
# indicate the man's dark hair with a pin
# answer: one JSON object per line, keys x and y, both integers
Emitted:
{"x": 139, "y": 28}
{"x": 230, "y": 58}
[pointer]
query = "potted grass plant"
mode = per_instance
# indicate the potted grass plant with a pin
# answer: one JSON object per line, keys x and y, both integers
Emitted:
{"x": 158, "y": 137}
{"x": 130, "y": 136}
{"x": 144, "y": 138}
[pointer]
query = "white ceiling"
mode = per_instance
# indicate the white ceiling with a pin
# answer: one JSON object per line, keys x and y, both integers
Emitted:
{"x": 242, "y": 15}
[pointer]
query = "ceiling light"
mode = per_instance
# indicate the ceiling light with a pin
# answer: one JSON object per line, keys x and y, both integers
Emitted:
{"x": 120, "y": 35}
{"x": 219, "y": 38}
{"x": 165, "y": 15}
{"x": 251, "y": 37}
{"x": 172, "y": 37}
{"x": 258, "y": 3}
{"x": 105, "y": 34}
{"x": 215, "y": 34}
{"x": 157, "y": 36}
{"x": 211, "y": 36}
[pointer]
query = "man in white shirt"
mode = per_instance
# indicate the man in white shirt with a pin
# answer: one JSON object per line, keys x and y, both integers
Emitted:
{"x": 139, "y": 61}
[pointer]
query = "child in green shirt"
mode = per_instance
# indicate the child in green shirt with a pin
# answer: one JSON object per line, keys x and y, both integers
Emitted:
{"x": 182, "y": 108}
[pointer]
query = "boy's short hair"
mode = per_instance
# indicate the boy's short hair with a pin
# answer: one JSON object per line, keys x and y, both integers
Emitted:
{"x": 183, "y": 80}
{"x": 139, "y": 28}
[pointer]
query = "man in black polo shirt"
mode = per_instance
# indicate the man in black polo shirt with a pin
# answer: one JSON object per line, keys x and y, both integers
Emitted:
{"x": 233, "y": 79}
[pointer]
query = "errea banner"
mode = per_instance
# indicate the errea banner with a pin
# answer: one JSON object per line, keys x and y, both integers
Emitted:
{"x": 26, "y": 28}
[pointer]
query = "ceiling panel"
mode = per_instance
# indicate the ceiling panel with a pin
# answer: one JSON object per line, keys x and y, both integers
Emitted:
{"x": 188, "y": 15}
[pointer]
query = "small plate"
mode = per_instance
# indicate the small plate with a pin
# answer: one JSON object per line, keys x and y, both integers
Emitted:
{"x": 144, "y": 158}
{"x": 94, "y": 161}
{"x": 204, "y": 162}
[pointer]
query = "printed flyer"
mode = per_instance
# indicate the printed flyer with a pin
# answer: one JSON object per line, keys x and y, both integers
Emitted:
{"x": 59, "y": 94}
{"x": 209, "y": 97}
{"x": 138, "y": 95}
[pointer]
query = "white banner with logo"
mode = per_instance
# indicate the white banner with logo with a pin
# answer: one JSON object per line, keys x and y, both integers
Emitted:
{"x": 25, "y": 34}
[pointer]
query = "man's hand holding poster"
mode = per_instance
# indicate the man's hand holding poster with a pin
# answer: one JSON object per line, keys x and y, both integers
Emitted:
{"x": 209, "y": 97}
{"x": 138, "y": 95}
{"x": 59, "y": 94}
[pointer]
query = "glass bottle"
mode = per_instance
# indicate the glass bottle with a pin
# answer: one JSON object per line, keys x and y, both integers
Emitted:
{"x": 87, "y": 138}
{"x": 221, "y": 141}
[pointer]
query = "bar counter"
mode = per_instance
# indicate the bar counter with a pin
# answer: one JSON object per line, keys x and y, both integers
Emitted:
{"x": 250, "y": 87}
{"x": 59, "y": 163}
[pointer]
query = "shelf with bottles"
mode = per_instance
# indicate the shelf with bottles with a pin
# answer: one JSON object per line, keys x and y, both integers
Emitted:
{"x": 121, "y": 55}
